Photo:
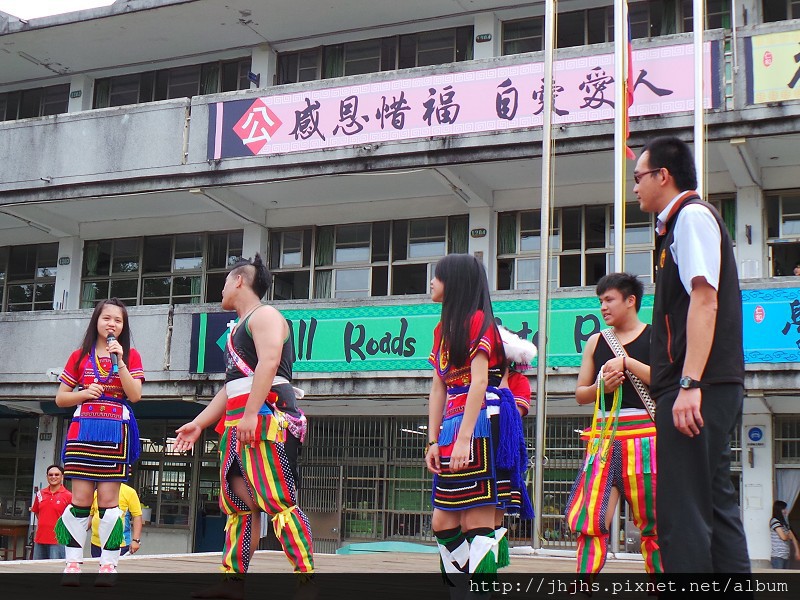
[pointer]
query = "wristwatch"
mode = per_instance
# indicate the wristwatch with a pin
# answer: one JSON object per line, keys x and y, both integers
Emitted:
{"x": 136, "y": 540}
{"x": 688, "y": 383}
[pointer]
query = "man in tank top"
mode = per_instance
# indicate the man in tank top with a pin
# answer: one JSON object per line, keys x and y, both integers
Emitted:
{"x": 621, "y": 442}
{"x": 255, "y": 471}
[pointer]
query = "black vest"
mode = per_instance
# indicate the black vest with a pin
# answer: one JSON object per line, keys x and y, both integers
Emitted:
{"x": 639, "y": 349}
{"x": 246, "y": 348}
{"x": 671, "y": 308}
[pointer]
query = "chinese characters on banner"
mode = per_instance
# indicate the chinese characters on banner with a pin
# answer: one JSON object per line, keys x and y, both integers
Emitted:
{"x": 774, "y": 73}
{"x": 456, "y": 103}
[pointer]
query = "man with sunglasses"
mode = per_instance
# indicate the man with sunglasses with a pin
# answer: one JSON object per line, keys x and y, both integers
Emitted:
{"x": 48, "y": 505}
{"x": 697, "y": 366}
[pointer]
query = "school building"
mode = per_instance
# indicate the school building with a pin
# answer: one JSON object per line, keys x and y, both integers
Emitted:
{"x": 145, "y": 146}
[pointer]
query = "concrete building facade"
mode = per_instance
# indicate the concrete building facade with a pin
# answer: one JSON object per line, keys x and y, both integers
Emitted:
{"x": 147, "y": 145}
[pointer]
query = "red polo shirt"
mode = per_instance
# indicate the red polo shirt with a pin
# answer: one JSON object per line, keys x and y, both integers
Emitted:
{"x": 49, "y": 506}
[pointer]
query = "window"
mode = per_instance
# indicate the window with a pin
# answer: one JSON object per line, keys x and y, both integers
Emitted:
{"x": 17, "y": 458}
{"x": 208, "y": 78}
{"x": 36, "y": 102}
{"x": 787, "y": 440}
{"x": 363, "y": 259}
{"x": 296, "y": 67}
{"x": 372, "y": 56}
{"x": 28, "y": 276}
{"x": 435, "y": 47}
{"x": 163, "y": 477}
{"x": 639, "y": 241}
{"x": 783, "y": 230}
{"x": 526, "y": 35}
{"x": 718, "y": 14}
{"x": 178, "y": 269}
{"x": 581, "y": 245}
{"x": 781, "y": 10}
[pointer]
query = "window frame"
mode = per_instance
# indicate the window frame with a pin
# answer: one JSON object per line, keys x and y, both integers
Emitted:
{"x": 35, "y": 279}
{"x": 557, "y": 252}
{"x": 376, "y": 268}
{"x": 200, "y": 273}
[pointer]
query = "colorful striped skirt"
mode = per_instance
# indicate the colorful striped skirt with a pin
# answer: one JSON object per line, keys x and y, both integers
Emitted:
{"x": 475, "y": 485}
{"x": 102, "y": 441}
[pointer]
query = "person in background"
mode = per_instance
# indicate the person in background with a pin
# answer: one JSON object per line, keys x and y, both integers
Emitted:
{"x": 49, "y": 504}
{"x": 513, "y": 494}
{"x": 796, "y": 269}
{"x": 131, "y": 509}
{"x": 782, "y": 538}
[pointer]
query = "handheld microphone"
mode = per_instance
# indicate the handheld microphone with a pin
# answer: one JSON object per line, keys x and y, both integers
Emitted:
{"x": 114, "y": 367}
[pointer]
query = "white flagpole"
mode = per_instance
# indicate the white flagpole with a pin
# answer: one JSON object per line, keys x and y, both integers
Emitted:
{"x": 544, "y": 266}
{"x": 620, "y": 100}
{"x": 699, "y": 17}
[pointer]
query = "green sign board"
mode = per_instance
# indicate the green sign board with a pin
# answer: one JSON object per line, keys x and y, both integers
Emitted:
{"x": 400, "y": 337}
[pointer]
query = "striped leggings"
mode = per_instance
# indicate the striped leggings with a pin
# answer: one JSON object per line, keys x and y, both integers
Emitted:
{"x": 266, "y": 472}
{"x": 629, "y": 466}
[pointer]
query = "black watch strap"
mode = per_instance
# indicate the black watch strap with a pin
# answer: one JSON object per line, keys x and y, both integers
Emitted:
{"x": 688, "y": 383}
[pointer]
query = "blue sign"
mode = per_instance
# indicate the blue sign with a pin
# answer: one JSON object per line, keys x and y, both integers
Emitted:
{"x": 771, "y": 325}
{"x": 755, "y": 434}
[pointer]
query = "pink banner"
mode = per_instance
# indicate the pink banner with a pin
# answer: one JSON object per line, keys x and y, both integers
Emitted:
{"x": 508, "y": 97}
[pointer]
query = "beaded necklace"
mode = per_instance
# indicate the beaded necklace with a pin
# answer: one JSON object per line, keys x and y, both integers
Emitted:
{"x": 100, "y": 374}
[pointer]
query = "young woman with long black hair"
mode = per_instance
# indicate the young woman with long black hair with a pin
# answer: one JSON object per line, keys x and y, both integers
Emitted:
{"x": 475, "y": 430}
{"x": 103, "y": 439}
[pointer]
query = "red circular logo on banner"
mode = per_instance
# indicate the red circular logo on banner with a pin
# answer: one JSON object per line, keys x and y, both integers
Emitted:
{"x": 767, "y": 58}
{"x": 758, "y": 314}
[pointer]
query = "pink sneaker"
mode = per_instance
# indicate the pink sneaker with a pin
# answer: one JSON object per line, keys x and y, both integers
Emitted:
{"x": 107, "y": 576}
{"x": 72, "y": 574}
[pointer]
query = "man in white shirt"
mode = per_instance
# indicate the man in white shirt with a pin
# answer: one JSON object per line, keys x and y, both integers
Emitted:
{"x": 697, "y": 366}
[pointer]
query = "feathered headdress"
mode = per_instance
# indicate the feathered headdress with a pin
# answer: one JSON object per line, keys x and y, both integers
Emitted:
{"x": 518, "y": 351}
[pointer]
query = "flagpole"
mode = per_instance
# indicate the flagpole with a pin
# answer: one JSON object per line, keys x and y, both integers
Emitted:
{"x": 620, "y": 109}
{"x": 699, "y": 18}
{"x": 544, "y": 267}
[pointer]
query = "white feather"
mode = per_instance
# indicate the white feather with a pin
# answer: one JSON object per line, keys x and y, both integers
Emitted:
{"x": 519, "y": 351}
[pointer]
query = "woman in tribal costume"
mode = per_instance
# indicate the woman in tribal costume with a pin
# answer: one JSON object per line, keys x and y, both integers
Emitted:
{"x": 101, "y": 379}
{"x": 474, "y": 427}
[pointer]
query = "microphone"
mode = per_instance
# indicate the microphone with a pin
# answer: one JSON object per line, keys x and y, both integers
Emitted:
{"x": 114, "y": 368}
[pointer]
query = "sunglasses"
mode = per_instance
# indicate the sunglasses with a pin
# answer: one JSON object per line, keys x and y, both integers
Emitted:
{"x": 54, "y": 474}
{"x": 637, "y": 177}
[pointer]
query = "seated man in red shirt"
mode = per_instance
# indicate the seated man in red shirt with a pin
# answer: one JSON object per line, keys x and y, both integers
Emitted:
{"x": 48, "y": 505}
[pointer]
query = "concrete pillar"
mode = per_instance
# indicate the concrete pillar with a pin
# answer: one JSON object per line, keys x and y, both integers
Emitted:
{"x": 757, "y": 476}
{"x": 748, "y": 12}
{"x": 751, "y": 252}
{"x": 81, "y": 90}
{"x": 67, "y": 293}
{"x": 46, "y": 451}
{"x": 487, "y": 24}
{"x": 264, "y": 62}
{"x": 485, "y": 247}
{"x": 254, "y": 240}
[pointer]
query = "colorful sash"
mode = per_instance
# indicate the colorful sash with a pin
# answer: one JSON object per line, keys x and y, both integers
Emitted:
{"x": 297, "y": 426}
{"x": 272, "y": 423}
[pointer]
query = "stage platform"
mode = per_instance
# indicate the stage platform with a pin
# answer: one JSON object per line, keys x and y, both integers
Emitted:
{"x": 268, "y": 561}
